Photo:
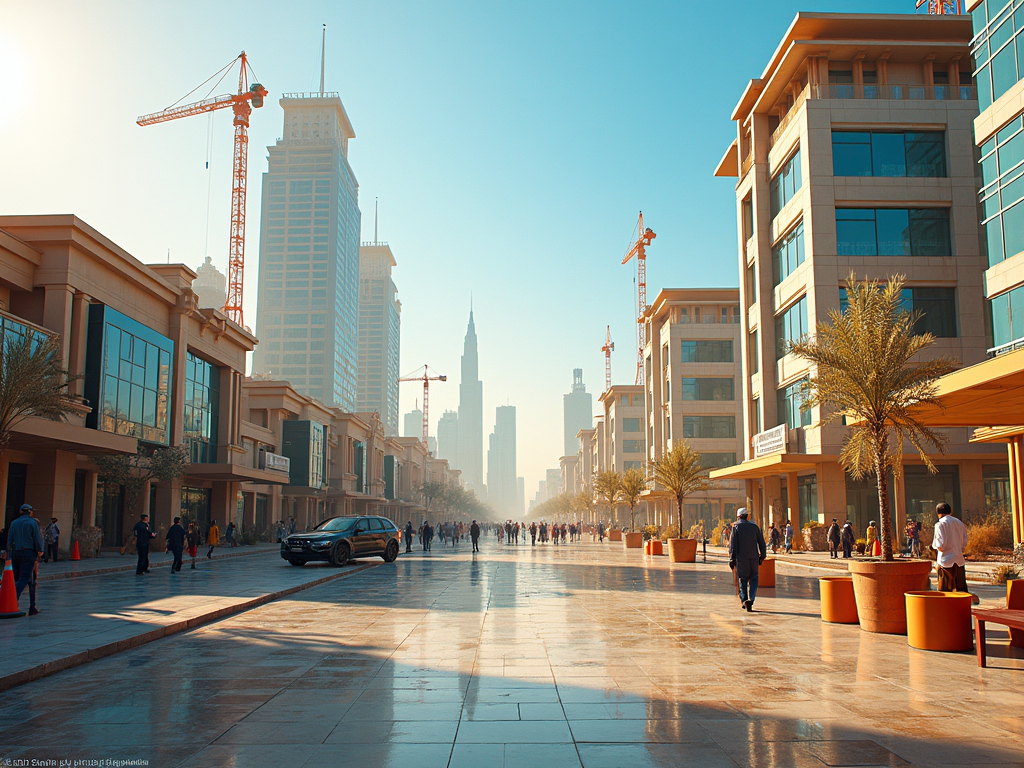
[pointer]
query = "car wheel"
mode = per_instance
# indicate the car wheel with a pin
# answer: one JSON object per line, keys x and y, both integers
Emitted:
{"x": 297, "y": 562}
{"x": 340, "y": 554}
{"x": 391, "y": 552}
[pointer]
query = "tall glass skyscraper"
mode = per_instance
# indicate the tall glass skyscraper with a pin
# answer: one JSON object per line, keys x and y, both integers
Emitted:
{"x": 380, "y": 326}
{"x": 471, "y": 414}
{"x": 308, "y": 294}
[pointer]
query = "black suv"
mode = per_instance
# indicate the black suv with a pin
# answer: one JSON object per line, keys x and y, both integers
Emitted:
{"x": 341, "y": 539}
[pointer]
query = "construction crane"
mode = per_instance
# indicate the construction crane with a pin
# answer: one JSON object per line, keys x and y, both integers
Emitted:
{"x": 242, "y": 104}
{"x": 426, "y": 378}
{"x": 608, "y": 348}
{"x": 941, "y": 7}
{"x": 639, "y": 249}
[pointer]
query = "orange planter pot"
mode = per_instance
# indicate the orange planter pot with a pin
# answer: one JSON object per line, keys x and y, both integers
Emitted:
{"x": 615, "y": 535}
{"x": 656, "y": 547}
{"x": 880, "y": 586}
{"x": 1015, "y": 602}
{"x": 682, "y": 550}
{"x": 633, "y": 540}
{"x": 939, "y": 621}
{"x": 838, "y": 604}
{"x": 766, "y": 573}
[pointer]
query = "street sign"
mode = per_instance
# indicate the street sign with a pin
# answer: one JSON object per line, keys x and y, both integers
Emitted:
{"x": 770, "y": 441}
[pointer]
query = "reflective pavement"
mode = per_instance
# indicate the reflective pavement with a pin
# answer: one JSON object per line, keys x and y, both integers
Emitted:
{"x": 579, "y": 655}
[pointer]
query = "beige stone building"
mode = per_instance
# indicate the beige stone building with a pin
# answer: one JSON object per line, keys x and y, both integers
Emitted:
{"x": 854, "y": 153}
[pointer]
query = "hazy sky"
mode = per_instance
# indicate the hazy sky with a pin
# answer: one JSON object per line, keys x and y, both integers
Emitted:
{"x": 511, "y": 145}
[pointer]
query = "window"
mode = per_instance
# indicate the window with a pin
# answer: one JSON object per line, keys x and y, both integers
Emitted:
{"x": 892, "y": 232}
{"x": 202, "y": 393}
{"x": 937, "y": 305}
{"x": 628, "y": 465}
{"x": 752, "y": 356}
{"x": 707, "y": 351}
{"x": 784, "y": 184}
{"x": 709, "y": 427}
{"x": 867, "y": 153}
{"x": 717, "y": 460}
{"x": 790, "y": 399}
{"x": 632, "y": 446}
{"x": 788, "y": 254}
{"x": 708, "y": 389}
{"x": 1007, "y": 317}
{"x": 751, "y": 286}
{"x": 790, "y": 327}
{"x": 998, "y": 49}
{"x": 631, "y": 425}
{"x": 1002, "y": 171}
{"x": 755, "y": 416}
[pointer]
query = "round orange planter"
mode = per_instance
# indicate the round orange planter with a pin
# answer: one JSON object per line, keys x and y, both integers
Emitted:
{"x": 939, "y": 621}
{"x": 766, "y": 573}
{"x": 682, "y": 550}
{"x": 633, "y": 540}
{"x": 879, "y": 587}
{"x": 838, "y": 605}
{"x": 656, "y": 547}
{"x": 1015, "y": 602}
{"x": 614, "y": 535}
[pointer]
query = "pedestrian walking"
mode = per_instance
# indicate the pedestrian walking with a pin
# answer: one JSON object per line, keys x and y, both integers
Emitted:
{"x": 533, "y": 534}
{"x": 291, "y": 526}
{"x": 51, "y": 537}
{"x": 747, "y": 551}
{"x": 789, "y": 537}
{"x": 25, "y": 545}
{"x": 848, "y": 539}
{"x": 280, "y": 533}
{"x": 229, "y": 534}
{"x": 428, "y": 535}
{"x": 775, "y": 538}
{"x": 871, "y": 536}
{"x": 834, "y": 537}
{"x": 600, "y": 531}
{"x": 407, "y": 535}
{"x": 143, "y": 536}
{"x": 949, "y": 542}
{"x": 913, "y": 532}
{"x": 474, "y": 534}
{"x": 192, "y": 536}
{"x": 175, "y": 538}
{"x": 212, "y": 538}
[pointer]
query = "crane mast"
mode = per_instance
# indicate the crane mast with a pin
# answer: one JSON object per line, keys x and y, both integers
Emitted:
{"x": 608, "y": 348}
{"x": 639, "y": 249}
{"x": 426, "y": 378}
{"x": 941, "y": 7}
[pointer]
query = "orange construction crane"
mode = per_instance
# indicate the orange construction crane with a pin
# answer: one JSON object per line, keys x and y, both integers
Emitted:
{"x": 940, "y": 7}
{"x": 426, "y": 378}
{"x": 241, "y": 104}
{"x": 639, "y": 249}
{"x": 608, "y": 348}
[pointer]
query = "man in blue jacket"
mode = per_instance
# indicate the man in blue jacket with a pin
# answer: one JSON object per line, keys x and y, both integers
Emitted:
{"x": 25, "y": 543}
{"x": 747, "y": 551}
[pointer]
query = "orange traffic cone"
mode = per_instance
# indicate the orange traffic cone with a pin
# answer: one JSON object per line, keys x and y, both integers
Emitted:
{"x": 74, "y": 552}
{"x": 8, "y": 595}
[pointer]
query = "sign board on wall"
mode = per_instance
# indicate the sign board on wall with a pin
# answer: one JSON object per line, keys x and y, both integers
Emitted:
{"x": 770, "y": 441}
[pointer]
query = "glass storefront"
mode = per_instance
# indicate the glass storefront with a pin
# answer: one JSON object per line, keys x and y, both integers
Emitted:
{"x": 924, "y": 490}
{"x": 195, "y": 505}
{"x": 202, "y": 396}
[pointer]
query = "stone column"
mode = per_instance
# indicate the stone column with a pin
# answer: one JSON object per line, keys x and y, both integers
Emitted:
{"x": 50, "y": 488}
{"x": 57, "y": 316}
{"x": 89, "y": 502}
{"x": 77, "y": 343}
{"x": 793, "y": 488}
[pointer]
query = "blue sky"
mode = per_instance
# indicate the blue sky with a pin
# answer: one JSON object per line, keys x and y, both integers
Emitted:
{"x": 511, "y": 145}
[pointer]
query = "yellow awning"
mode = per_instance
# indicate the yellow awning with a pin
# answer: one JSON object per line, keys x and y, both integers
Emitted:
{"x": 776, "y": 464}
{"x": 989, "y": 394}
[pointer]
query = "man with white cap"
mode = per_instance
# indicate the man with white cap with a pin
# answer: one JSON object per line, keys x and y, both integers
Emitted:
{"x": 747, "y": 551}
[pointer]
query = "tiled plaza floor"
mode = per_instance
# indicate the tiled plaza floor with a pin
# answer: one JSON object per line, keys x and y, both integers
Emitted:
{"x": 547, "y": 657}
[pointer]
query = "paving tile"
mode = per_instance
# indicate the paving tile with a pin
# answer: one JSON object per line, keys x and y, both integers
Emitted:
{"x": 653, "y": 756}
{"x": 514, "y": 732}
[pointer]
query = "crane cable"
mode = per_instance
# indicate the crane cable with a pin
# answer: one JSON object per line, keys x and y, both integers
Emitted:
{"x": 223, "y": 71}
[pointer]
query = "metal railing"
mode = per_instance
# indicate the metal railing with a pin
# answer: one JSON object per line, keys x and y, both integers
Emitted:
{"x": 745, "y": 165}
{"x": 790, "y": 115}
{"x": 1010, "y": 346}
{"x": 311, "y": 95}
{"x": 893, "y": 92}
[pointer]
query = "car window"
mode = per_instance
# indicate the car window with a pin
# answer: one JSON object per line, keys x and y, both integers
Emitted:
{"x": 388, "y": 525}
{"x": 336, "y": 524}
{"x": 376, "y": 524}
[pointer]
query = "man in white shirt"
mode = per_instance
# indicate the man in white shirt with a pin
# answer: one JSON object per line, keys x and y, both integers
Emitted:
{"x": 949, "y": 542}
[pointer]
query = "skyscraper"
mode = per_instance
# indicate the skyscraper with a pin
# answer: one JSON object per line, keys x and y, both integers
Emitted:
{"x": 577, "y": 410}
{"x": 471, "y": 414}
{"x": 379, "y": 334}
{"x": 502, "y": 480}
{"x": 308, "y": 293}
{"x": 448, "y": 438}
{"x": 412, "y": 423}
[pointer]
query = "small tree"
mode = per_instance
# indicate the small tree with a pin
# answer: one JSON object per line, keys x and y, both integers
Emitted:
{"x": 583, "y": 501}
{"x": 864, "y": 373}
{"x": 633, "y": 484}
{"x": 132, "y": 471}
{"x": 606, "y": 488}
{"x": 680, "y": 472}
{"x": 32, "y": 382}
{"x": 432, "y": 492}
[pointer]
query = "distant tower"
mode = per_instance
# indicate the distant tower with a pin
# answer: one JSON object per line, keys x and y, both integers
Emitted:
{"x": 210, "y": 286}
{"x": 577, "y": 407}
{"x": 412, "y": 424}
{"x": 380, "y": 326}
{"x": 448, "y": 438}
{"x": 471, "y": 413}
{"x": 502, "y": 479}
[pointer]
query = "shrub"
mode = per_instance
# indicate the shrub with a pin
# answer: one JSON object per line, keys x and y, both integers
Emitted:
{"x": 696, "y": 531}
{"x": 672, "y": 532}
{"x": 811, "y": 524}
{"x": 716, "y": 535}
{"x": 650, "y": 532}
{"x": 248, "y": 537}
{"x": 983, "y": 538}
{"x": 1003, "y": 573}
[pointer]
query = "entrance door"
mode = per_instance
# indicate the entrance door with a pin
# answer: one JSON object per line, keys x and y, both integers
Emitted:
{"x": 16, "y": 476}
{"x": 195, "y": 506}
{"x": 110, "y": 509}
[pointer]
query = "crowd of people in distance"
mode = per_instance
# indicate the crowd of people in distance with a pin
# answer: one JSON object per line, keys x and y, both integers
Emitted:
{"x": 508, "y": 533}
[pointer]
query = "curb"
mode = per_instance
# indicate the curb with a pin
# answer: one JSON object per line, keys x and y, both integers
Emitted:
{"x": 126, "y": 568}
{"x": 75, "y": 660}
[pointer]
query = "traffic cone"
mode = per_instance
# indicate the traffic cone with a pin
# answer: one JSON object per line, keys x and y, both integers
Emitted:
{"x": 74, "y": 551}
{"x": 8, "y": 595}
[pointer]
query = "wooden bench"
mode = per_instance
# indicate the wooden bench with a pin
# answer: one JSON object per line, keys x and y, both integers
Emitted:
{"x": 1013, "y": 619}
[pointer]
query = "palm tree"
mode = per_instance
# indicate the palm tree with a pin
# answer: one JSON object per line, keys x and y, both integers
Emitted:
{"x": 33, "y": 382}
{"x": 680, "y": 472}
{"x": 864, "y": 374}
{"x": 606, "y": 486}
{"x": 633, "y": 484}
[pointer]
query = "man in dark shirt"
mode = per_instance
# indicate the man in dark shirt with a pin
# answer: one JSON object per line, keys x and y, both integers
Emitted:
{"x": 474, "y": 534}
{"x": 747, "y": 551}
{"x": 142, "y": 536}
{"x": 25, "y": 546}
{"x": 176, "y": 543}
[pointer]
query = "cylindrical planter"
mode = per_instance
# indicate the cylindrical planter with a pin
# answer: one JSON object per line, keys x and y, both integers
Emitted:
{"x": 614, "y": 535}
{"x": 656, "y": 547}
{"x": 838, "y": 605}
{"x": 647, "y": 547}
{"x": 682, "y": 550}
{"x": 879, "y": 587}
{"x": 633, "y": 540}
{"x": 1015, "y": 602}
{"x": 766, "y": 573}
{"x": 939, "y": 621}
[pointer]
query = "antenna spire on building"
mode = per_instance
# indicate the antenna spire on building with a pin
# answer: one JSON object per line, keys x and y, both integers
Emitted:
{"x": 323, "y": 51}
{"x": 375, "y": 221}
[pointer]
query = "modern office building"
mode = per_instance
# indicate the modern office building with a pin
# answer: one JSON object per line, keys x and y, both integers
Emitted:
{"x": 693, "y": 365}
{"x": 502, "y": 477}
{"x": 625, "y": 445}
{"x": 577, "y": 412}
{"x": 471, "y": 414}
{"x": 412, "y": 423}
{"x": 308, "y": 292}
{"x": 380, "y": 327}
{"x": 854, "y": 153}
{"x": 448, "y": 437}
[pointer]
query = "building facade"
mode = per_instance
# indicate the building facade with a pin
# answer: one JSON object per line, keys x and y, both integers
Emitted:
{"x": 380, "y": 329}
{"x": 448, "y": 437}
{"x": 502, "y": 473}
{"x": 308, "y": 291}
{"x": 854, "y": 154}
{"x": 471, "y": 414}
{"x": 577, "y": 412}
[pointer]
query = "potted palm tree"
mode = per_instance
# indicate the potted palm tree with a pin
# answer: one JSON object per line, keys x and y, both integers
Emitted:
{"x": 866, "y": 374}
{"x": 606, "y": 486}
{"x": 680, "y": 472}
{"x": 633, "y": 484}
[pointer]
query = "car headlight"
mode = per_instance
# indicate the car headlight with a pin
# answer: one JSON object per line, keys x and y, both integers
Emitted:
{"x": 320, "y": 544}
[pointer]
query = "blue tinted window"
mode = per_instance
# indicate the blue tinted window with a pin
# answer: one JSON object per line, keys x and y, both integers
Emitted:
{"x": 784, "y": 184}
{"x": 788, "y": 254}
{"x": 868, "y": 153}
{"x": 202, "y": 395}
{"x": 893, "y": 232}
{"x": 790, "y": 400}
{"x": 790, "y": 327}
